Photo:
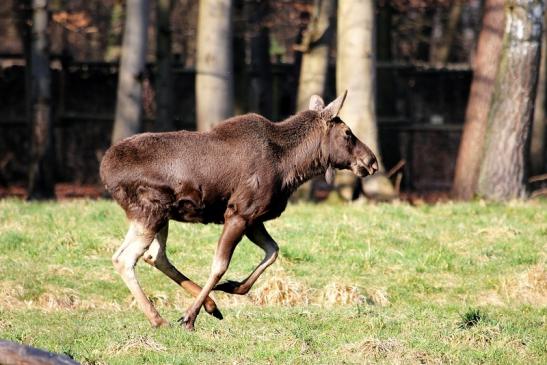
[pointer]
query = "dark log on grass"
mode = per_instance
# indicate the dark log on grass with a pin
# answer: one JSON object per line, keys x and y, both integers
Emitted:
{"x": 17, "y": 354}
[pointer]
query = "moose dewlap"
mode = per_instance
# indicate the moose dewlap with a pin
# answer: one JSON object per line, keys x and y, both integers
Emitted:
{"x": 239, "y": 174}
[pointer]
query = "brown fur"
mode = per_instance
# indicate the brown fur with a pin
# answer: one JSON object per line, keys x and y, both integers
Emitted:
{"x": 247, "y": 164}
{"x": 241, "y": 173}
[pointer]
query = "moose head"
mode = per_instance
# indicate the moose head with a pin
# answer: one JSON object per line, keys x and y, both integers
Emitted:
{"x": 344, "y": 150}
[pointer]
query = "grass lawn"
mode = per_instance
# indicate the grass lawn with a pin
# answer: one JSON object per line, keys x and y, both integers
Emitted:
{"x": 387, "y": 283}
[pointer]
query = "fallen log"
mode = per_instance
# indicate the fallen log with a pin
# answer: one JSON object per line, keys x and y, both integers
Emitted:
{"x": 12, "y": 353}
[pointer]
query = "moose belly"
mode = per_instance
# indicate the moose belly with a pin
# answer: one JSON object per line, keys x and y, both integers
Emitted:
{"x": 192, "y": 211}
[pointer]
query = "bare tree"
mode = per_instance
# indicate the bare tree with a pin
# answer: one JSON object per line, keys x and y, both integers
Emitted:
{"x": 356, "y": 72}
{"x": 112, "y": 52}
{"x": 41, "y": 183}
{"x": 443, "y": 37}
{"x": 260, "y": 96}
{"x": 476, "y": 115}
{"x": 164, "y": 63}
{"x": 504, "y": 167}
{"x": 128, "y": 120}
{"x": 315, "y": 47}
{"x": 537, "y": 143}
{"x": 214, "y": 68}
{"x": 356, "y": 68}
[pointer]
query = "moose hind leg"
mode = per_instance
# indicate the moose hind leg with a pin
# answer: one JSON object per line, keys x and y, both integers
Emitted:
{"x": 156, "y": 256}
{"x": 136, "y": 242}
{"x": 259, "y": 236}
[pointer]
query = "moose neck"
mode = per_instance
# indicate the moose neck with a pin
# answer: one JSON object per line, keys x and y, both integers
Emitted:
{"x": 300, "y": 138}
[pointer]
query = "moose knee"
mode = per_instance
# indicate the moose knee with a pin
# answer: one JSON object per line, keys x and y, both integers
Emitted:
{"x": 219, "y": 268}
{"x": 118, "y": 264}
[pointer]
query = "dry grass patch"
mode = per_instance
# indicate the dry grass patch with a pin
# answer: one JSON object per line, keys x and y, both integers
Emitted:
{"x": 136, "y": 344}
{"x": 497, "y": 231}
{"x": 340, "y": 294}
{"x": 13, "y": 297}
{"x": 281, "y": 289}
{"x": 391, "y": 351}
{"x": 377, "y": 296}
{"x": 527, "y": 287}
{"x": 10, "y": 294}
{"x": 476, "y": 337}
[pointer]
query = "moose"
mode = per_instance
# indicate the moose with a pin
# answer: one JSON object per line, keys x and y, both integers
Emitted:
{"x": 240, "y": 174}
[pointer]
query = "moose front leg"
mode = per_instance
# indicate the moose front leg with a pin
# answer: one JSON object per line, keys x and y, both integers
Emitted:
{"x": 234, "y": 227}
{"x": 259, "y": 236}
{"x": 156, "y": 255}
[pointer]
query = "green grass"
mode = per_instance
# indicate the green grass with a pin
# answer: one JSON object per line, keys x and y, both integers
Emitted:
{"x": 388, "y": 283}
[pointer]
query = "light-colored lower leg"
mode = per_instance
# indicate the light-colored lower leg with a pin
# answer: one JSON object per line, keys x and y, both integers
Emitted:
{"x": 156, "y": 256}
{"x": 136, "y": 242}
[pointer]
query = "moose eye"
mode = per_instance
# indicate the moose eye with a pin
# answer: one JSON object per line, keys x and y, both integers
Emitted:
{"x": 348, "y": 135}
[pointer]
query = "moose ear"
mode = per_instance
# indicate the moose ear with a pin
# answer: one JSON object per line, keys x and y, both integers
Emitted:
{"x": 334, "y": 107}
{"x": 316, "y": 103}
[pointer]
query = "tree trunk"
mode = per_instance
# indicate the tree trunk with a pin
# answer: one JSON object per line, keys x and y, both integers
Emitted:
{"x": 476, "y": 115}
{"x": 214, "y": 68}
{"x": 114, "y": 32}
{"x": 315, "y": 47}
{"x": 164, "y": 62}
{"x": 356, "y": 73}
{"x": 537, "y": 143}
{"x": 441, "y": 40}
{"x": 128, "y": 119}
{"x": 260, "y": 96}
{"x": 356, "y": 68}
{"x": 41, "y": 184}
{"x": 504, "y": 167}
{"x": 23, "y": 16}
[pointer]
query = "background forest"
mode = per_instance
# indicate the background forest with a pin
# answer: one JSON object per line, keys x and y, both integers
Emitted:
{"x": 420, "y": 75}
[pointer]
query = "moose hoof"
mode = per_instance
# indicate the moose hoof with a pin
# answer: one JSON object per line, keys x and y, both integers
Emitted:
{"x": 187, "y": 322}
{"x": 229, "y": 286}
{"x": 216, "y": 313}
{"x": 160, "y": 322}
{"x": 211, "y": 308}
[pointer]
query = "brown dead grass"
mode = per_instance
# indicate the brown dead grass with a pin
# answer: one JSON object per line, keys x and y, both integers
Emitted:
{"x": 136, "y": 344}
{"x": 10, "y": 294}
{"x": 278, "y": 288}
{"x": 281, "y": 289}
{"x": 391, "y": 351}
{"x": 527, "y": 287}
{"x": 476, "y": 337}
{"x": 12, "y": 297}
{"x": 340, "y": 294}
